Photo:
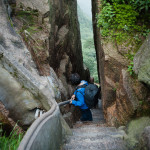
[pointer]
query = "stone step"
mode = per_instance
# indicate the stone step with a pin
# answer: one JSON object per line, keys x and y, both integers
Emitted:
{"x": 95, "y": 135}
{"x": 98, "y": 134}
{"x": 94, "y": 123}
{"x": 98, "y": 144}
{"x": 101, "y": 138}
{"x": 93, "y": 128}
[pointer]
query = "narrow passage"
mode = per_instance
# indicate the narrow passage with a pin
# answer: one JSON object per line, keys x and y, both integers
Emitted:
{"x": 95, "y": 135}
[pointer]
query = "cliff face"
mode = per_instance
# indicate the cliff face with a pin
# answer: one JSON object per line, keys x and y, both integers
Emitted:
{"x": 123, "y": 96}
{"x": 22, "y": 90}
{"x": 65, "y": 44}
{"x": 64, "y": 35}
{"x": 56, "y": 43}
{"x": 100, "y": 56}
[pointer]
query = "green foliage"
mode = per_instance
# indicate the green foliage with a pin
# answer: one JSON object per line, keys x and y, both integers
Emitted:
{"x": 105, "y": 19}
{"x": 116, "y": 19}
{"x": 141, "y": 102}
{"x": 131, "y": 64}
{"x": 121, "y": 19}
{"x": 125, "y": 17}
{"x": 89, "y": 57}
{"x": 140, "y": 5}
{"x": 11, "y": 142}
{"x": 130, "y": 68}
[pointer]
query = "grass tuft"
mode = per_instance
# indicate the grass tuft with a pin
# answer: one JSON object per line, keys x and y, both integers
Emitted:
{"x": 10, "y": 142}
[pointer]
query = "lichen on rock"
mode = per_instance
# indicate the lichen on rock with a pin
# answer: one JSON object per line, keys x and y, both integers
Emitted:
{"x": 142, "y": 62}
{"x": 135, "y": 131}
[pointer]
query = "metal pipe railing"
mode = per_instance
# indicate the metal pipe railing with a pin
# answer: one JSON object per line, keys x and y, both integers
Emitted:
{"x": 64, "y": 103}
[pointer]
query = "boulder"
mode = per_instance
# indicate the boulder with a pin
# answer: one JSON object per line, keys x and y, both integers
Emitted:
{"x": 20, "y": 102}
{"x": 142, "y": 62}
{"x": 138, "y": 134}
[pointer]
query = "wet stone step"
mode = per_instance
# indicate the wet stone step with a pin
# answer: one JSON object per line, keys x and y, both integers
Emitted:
{"x": 95, "y": 135}
{"x": 94, "y": 129}
{"x": 89, "y": 134}
{"x": 105, "y": 144}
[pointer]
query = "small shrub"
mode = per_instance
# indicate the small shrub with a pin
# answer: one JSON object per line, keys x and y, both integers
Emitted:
{"x": 117, "y": 19}
{"x": 140, "y": 5}
{"x": 131, "y": 64}
{"x": 120, "y": 20}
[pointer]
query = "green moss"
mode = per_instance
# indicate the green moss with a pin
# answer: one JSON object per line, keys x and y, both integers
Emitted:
{"x": 30, "y": 21}
{"x": 1, "y": 56}
{"x": 33, "y": 29}
{"x": 26, "y": 16}
{"x": 23, "y": 86}
{"x": 135, "y": 129}
{"x": 15, "y": 74}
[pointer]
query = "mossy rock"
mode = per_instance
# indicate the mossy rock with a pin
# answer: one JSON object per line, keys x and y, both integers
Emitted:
{"x": 134, "y": 131}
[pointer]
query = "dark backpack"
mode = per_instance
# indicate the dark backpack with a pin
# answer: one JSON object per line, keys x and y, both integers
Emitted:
{"x": 91, "y": 95}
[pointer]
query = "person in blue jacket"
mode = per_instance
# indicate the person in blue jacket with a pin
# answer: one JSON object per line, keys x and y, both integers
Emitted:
{"x": 77, "y": 98}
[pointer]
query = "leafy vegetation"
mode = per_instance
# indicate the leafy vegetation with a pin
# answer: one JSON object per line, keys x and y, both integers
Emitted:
{"x": 123, "y": 20}
{"x": 88, "y": 49}
{"x": 10, "y": 142}
{"x": 131, "y": 64}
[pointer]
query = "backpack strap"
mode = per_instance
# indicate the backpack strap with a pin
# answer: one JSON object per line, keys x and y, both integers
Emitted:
{"x": 80, "y": 92}
{"x": 81, "y": 86}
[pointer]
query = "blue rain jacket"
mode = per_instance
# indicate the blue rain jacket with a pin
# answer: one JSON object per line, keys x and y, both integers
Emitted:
{"x": 80, "y": 97}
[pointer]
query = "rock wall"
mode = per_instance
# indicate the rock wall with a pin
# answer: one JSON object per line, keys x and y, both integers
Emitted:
{"x": 22, "y": 89}
{"x": 123, "y": 96}
{"x": 65, "y": 44}
{"x": 62, "y": 51}
{"x": 40, "y": 58}
{"x": 142, "y": 62}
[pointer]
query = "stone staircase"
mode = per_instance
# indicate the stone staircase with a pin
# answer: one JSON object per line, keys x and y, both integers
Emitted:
{"x": 95, "y": 135}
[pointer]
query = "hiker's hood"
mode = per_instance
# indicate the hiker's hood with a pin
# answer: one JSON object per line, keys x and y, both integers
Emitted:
{"x": 84, "y": 82}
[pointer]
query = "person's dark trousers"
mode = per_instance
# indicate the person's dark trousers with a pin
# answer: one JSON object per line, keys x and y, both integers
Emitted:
{"x": 86, "y": 115}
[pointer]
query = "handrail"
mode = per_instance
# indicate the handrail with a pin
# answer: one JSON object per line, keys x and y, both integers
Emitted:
{"x": 30, "y": 133}
{"x": 33, "y": 135}
{"x": 64, "y": 103}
